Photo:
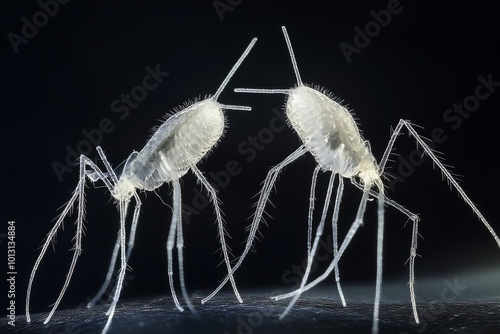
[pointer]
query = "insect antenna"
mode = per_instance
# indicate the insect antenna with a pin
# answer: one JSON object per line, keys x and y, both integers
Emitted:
{"x": 277, "y": 91}
{"x": 292, "y": 56}
{"x": 229, "y": 76}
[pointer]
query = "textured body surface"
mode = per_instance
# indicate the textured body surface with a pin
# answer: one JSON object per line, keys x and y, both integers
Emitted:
{"x": 178, "y": 144}
{"x": 328, "y": 131}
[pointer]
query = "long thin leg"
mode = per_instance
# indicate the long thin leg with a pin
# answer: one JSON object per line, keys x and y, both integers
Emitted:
{"x": 449, "y": 178}
{"x": 79, "y": 195}
{"x": 389, "y": 202}
{"x": 311, "y": 207}
{"x": 451, "y": 181}
{"x": 264, "y": 196}
{"x": 50, "y": 236}
{"x": 296, "y": 294}
{"x": 380, "y": 244}
{"x": 116, "y": 249}
{"x": 334, "y": 224}
{"x": 106, "y": 163}
{"x": 413, "y": 248}
{"x": 220, "y": 224}
{"x": 350, "y": 234}
{"x": 171, "y": 242}
{"x": 413, "y": 255}
{"x": 335, "y": 218}
{"x": 114, "y": 256}
{"x": 310, "y": 255}
{"x": 123, "y": 266}
{"x": 78, "y": 241}
{"x": 180, "y": 240}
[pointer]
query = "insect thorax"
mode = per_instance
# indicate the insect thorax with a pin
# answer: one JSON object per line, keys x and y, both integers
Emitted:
{"x": 328, "y": 131}
{"x": 123, "y": 190}
{"x": 179, "y": 143}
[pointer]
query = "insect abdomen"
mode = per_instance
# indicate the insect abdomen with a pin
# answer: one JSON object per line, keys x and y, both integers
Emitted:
{"x": 327, "y": 129}
{"x": 178, "y": 144}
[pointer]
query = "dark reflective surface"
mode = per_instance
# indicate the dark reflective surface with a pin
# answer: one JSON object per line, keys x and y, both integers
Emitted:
{"x": 462, "y": 304}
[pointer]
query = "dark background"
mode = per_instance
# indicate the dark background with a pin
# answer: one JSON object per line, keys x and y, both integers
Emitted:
{"x": 65, "y": 78}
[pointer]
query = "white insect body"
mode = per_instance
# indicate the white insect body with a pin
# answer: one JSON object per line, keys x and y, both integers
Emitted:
{"x": 179, "y": 143}
{"x": 328, "y": 131}
{"x": 176, "y": 147}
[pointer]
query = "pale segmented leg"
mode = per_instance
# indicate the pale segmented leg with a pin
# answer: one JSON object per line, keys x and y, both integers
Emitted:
{"x": 451, "y": 181}
{"x": 116, "y": 249}
{"x": 133, "y": 228}
{"x": 171, "y": 240}
{"x": 413, "y": 217}
{"x": 380, "y": 246}
{"x": 78, "y": 195}
{"x": 312, "y": 253}
{"x": 123, "y": 265}
{"x": 177, "y": 215}
{"x": 264, "y": 196}
{"x": 350, "y": 234}
{"x": 338, "y": 199}
{"x": 122, "y": 208}
{"x": 311, "y": 208}
{"x": 175, "y": 236}
{"x": 335, "y": 218}
{"x": 220, "y": 224}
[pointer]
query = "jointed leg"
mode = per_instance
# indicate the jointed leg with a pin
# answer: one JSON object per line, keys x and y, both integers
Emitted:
{"x": 220, "y": 224}
{"x": 78, "y": 195}
{"x": 133, "y": 228}
{"x": 78, "y": 241}
{"x": 311, "y": 207}
{"x": 116, "y": 249}
{"x": 123, "y": 266}
{"x": 449, "y": 178}
{"x": 335, "y": 218}
{"x": 310, "y": 255}
{"x": 180, "y": 241}
{"x": 411, "y": 259}
{"x": 414, "y": 241}
{"x": 334, "y": 224}
{"x": 350, "y": 234}
{"x": 451, "y": 181}
{"x": 171, "y": 241}
{"x": 264, "y": 196}
{"x": 380, "y": 245}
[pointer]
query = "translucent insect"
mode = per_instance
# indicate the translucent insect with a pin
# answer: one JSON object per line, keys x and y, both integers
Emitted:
{"x": 176, "y": 147}
{"x": 328, "y": 131}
